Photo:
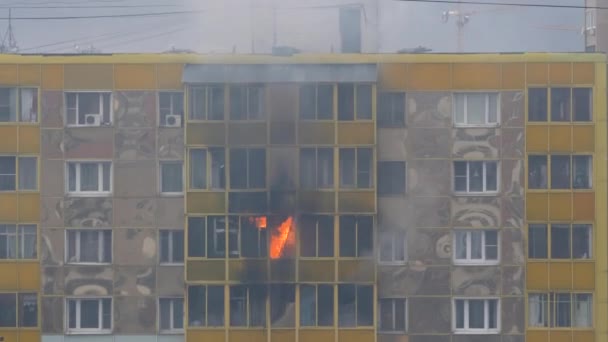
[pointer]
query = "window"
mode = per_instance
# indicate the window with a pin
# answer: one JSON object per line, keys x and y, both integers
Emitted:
{"x": 247, "y": 237}
{"x": 393, "y": 315}
{"x": 89, "y": 178}
{"x": 171, "y": 247}
{"x": 88, "y": 108}
{"x": 247, "y": 168}
{"x": 391, "y": 110}
{"x": 28, "y": 173}
{"x": 391, "y": 178}
{"x": 207, "y": 237}
{"x": 247, "y": 102}
{"x": 562, "y": 177}
{"x": 476, "y": 109}
{"x": 171, "y": 177}
{"x": 566, "y": 104}
{"x": 316, "y": 305}
{"x": 201, "y": 177}
{"x": 170, "y": 109}
{"x": 18, "y": 242}
{"x": 355, "y": 305}
{"x": 566, "y": 241}
{"x": 560, "y": 104}
{"x": 354, "y": 102}
{"x": 248, "y": 306}
{"x": 27, "y": 305}
{"x": 356, "y": 236}
{"x": 282, "y": 305}
{"x": 393, "y": 247}
{"x": 206, "y": 306}
{"x": 89, "y": 315}
{"x": 171, "y": 315}
{"x": 537, "y": 172}
{"x": 582, "y": 104}
{"x": 537, "y": 104}
{"x": 207, "y": 102}
{"x": 475, "y": 176}
{"x": 89, "y": 246}
{"x": 356, "y": 168}
{"x": 562, "y": 310}
{"x": 316, "y": 236}
{"x": 317, "y": 102}
{"x": 316, "y": 168}
{"x": 476, "y": 315}
{"x": 476, "y": 247}
{"x": 24, "y": 98}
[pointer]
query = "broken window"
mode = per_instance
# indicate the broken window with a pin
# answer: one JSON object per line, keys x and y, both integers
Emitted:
{"x": 476, "y": 315}
{"x": 560, "y": 104}
{"x": 207, "y": 102}
{"x": 247, "y": 168}
{"x": 247, "y": 102}
{"x": 355, "y": 305}
{"x": 356, "y": 168}
{"x": 391, "y": 110}
{"x": 171, "y": 177}
{"x": 560, "y": 241}
{"x": 247, "y": 306}
{"x": 207, "y": 237}
{"x": 171, "y": 314}
{"x": 317, "y": 102}
{"x": 201, "y": 177}
{"x": 282, "y": 305}
{"x": 560, "y": 172}
{"x": 85, "y": 178}
{"x": 88, "y": 108}
{"x": 475, "y": 247}
{"x": 316, "y": 305}
{"x": 393, "y": 314}
{"x": 316, "y": 168}
{"x": 93, "y": 315}
{"x": 356, "y": 236}
{"x": 537, "y": 241}
{"x": 582, "y": 104}
{"x": 170, "y": 108}
{"x": 316, "y": 236}
{"x": 247, "y": 237}
{"x": 391, "y": 178}
{"x": 476, "y": 109}
{"x": 171, "y": 247}
{"x": 393, "y": 246}
{"x": 537, "y": 172}
{"x": 206, "y": 306}
{"x": 475, "y": 176}
{"x": 537, "y": 104}
{"x": 89, "y": 246}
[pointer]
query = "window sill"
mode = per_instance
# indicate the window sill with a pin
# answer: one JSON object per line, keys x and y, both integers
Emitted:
{"x": 392, "y": 332}
{"x": 477, "y": 332}
{"x": 171, "y": 194}
{"x": 565, "y": 260}
{"x": 476, "y": 263}
{"x": 172, "y": 127}
{"x": 171, "y": 332}
{"x": 392, "y": 263}
{"x": 493, "y": 125}
{"x": 88, "y": 332}
{"x": 560, "y": 328}
{"x": 471, "y": 194}
{"x": 91, "y": 126}
{"x": 170, "y": 264}
{"x": 88, "y": 263}
{"x": 89, "y": 194}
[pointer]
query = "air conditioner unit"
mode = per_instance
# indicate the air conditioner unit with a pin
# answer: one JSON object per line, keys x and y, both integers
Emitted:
{"x": 92, "y": 120}
{"x": 173, "y": 121}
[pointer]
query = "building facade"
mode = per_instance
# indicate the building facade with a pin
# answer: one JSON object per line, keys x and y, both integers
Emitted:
{"x": 425, "y": 198}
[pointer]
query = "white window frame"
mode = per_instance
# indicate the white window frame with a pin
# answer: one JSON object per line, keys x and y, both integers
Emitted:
{"x": 98, "y": 193}
{"x": 486, "y": 316}
{"x": 172, "y": 329}
{"x": 101, "y": 108}
{"x": 100, "y": 246}
{"x": 394, "y": 303}
{"x": 487, "y": 113}
{"x": 170, "y": 251}
{"x": 160, "y": 177}
{"x": 484, "y": 176}
{"x": 77, "y": 330}
{"x": 393, "y": 236}
{"x": 171, "y": 94}
{"x": 469, "y": 260}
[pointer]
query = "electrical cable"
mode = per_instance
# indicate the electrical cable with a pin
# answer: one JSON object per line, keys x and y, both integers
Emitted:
{"x": 513, "y": 4}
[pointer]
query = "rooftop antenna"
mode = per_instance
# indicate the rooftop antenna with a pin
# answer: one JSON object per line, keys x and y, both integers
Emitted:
{"x": 12, "y": 46}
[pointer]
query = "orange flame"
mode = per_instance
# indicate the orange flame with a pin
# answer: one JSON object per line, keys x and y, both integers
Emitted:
{"x": 260, "y": 222}
{"x": 281, "y": 238}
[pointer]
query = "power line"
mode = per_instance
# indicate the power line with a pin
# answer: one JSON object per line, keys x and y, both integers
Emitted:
{"x": 153, "y": 14}
{"x": 513, "y": 4}
{"x": 81, "y": 6}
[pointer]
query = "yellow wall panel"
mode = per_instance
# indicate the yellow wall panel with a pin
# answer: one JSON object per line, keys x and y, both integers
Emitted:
{"x": 10, "y": 335}
{"x": 537, "y": 205}
{"x": 206, "y": 202}
{"x": 236, "y": 269}
{"x": 388, "y": 337}
{"x": 560, "y": 138}
{"x": 52, "y": 77}
{"x": 357, "y": 201}
{"x": 537, "y": 336}
{"x": 537, "y": 73}
{"x": 240, "y": 133}
{"x": 356, "y": 270}
{"x": 356, "y": 335}
{"x": 88, "y": 76}
{"x": 429, "y": 76}
{"x": 283, "y": 335}
{"x": 9, "y": 74}
{"x": 135, "y": 76}
{"x": 560, "y": 73}
{"x": 247, "y": 335}
{"x": 583, "y": 138}
{"x": 583, "y": 336}
{"x": 537, "y": 275}
{"x": 317, "y": 201}
{"x": 29, "y": 207}
{"x": 560, "y": 275}
{"x": 8, "y": 143}
{"x": 29, "y": 139}
{"x": 320, "y": 133}
{"x": 316, "y": 335}
{"x": 169, "y": 76}
{"x": 584, "y": 275}
{"x": 8, "y": 207}
{"x": 29, "y": 276}
{"x": 356, "y": 133}
{"x": 316, "y": 271}
{"x": 560, "y": 336}
{"x": 392, "y": 76}
{"x": 205, "y": 335}
{"x": 476, "y": 76}
{"x": 29, "y": 74}
{"x": 560, "y": 207}
{"x": 513, "y": 76}
{"x": 584, "y": 206}
{"x": 537, "y": 137}
{"x": 583, "y": 73}
{"x": 10, "y": 277}
{"x": 205, "y": 270}
{"x": 206, "y": 134}
{"x": 29, "y": 336}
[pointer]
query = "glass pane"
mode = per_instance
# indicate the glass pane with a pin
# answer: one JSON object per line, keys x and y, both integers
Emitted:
{"x": 560, "y": 241}
{"x": 346, "y": 102}
{"x": 348, "y": 237}
{"x": 400, "y": 314}
{"x": 562, "y": 310}
{"x": 257, "y": 168}
{"x": 107, "y": 176}
{"x": 537, "y": 241}
{"x": 583, "y": 310}
{"x": 216, "y": 105}
{"x": 537, "y": 310}
{"x": 476, "y": 245}
{"x": 365, "y": 305}
{"x": 581, "y": 241}
{"x": 215, "y": 306}
{"x": 238, "y": 306}
{"x": 325, "y": 168}
{"x": 256, "y": 103}
{"x": 459, "y": 313}
{"x": 238, "y": 102}
{"x": 491, "y": 245}
{"x": 364, "y": 168}
{"x": 560, "y": 172}
{"x": 8, "y": 314}
{"x": 196, "y": 236}
{"x": 164, "y": 246}
{"x": 582, "y": 104}
{"x": 560, "y": 104}
{"x": 476, "y": 176}
{"x": 165, "y": 314}
{"x": 27, "y": 241}
{"x": 89, "y": 313}
{"x": 29, "y": 105}
{"x": 476, "y": 314}
{"x": 364, "y": 102}
{"x": 72, "y": 313}
{"x": 197, "y": 103}
{"x": 178, "y": 313}
{"x": 308, "y": 168}
{"x": 218, "y": 170}
{"x": 106, "y": 311}
{"x": 460, "y": 242}
{"x": 28, "y": 173}
{"x": 386, "y": 314}
{"x": 198, "y": 169}
{"x": 308, "y": 307}
{"x": 307, "y": 102}
{"x": 492, "y": 108}
{"x": 537, "y": 172}
{"x": 171, "y": 177}
{"x": 460, "y": 176}
{"x": 178, "y": 246}
{"x": 347, "y": 167}
{"x": 582, "y": 172}
{"x": 325, "y": 101}
{"x": 491, "y": 176}
{"x": 325, "y": 301}
{"x": 459, "y": 110}
{"x": 492, "y": 314}
{"x": 8, "y": 108}
{"x": 238, "y": 168}
{"x": 476, "y": 109}
{"x": 72, "y": 176}
{"x": 365, "y": 236}
{"x": 197, "y": 300}
{"x": 537, "y": 104}
{"x": 89, "y": 177}
{"x": 8, "y": 170}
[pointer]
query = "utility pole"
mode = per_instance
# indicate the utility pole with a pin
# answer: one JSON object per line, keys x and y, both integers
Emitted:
{"x": 12, "y": 45}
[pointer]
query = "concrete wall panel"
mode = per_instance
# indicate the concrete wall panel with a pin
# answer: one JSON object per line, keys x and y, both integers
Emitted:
{"x": 52, "y": 178}
{"x": 52, "y": 247}
{"x": 433, "y": 315}
{"x": 51, "y": 211}
{"x": 135, "y": 144}
{"x": 52, "y": 313}
{"x": 88, "y": 212}
{"x": 431, "y": 212}
{"x": 430, "y": 143}
{"x": 135, "y": 179}
{"x": 135, "y": 212}
{"x": 512, "y": 109}
{"x": 429, "y": 109}
{"x": 429, "y": 246}
{"x": 171, "y": 281}
{"x": 513, "y": 315}
{"x": 512, "y": 212}
{"x": 53, "y": 281}
{"x": 476, "y": 143}
{"x": 475, "y": 281}
{"x": 88, "y": 143}
{"x": 429, "y": 177}
{"x": 170, "y": 143}
{"x": 170, "y": 212}
{"x": 135, "y": 247}
{"x": 476, "y": 212}
{"x": 135, "y": 280}
{"x": 51, "y": 143}
{"x": 513, "y": 280}
{"x": 134, "y": 315}
{"x": 135, "y": 109}
{"x": 52, "y": 109}
{"x": 88, "y": 280}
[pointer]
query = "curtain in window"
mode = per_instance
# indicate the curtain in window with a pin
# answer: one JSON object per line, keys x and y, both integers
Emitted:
{"x": 582, "y": 310}
{"x": 28, "y": 173}
{"x": 8, "y": 242}
{"x": 89, "y": 177}
{"x": 29, "y": 105}
{"x": 536, "y": 310}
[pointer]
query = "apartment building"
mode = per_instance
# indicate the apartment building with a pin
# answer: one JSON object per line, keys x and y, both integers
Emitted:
{"x": 304, "y": 198}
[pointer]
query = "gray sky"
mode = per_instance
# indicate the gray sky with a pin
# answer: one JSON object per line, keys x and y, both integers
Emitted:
{"x": 401, "y": 25}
